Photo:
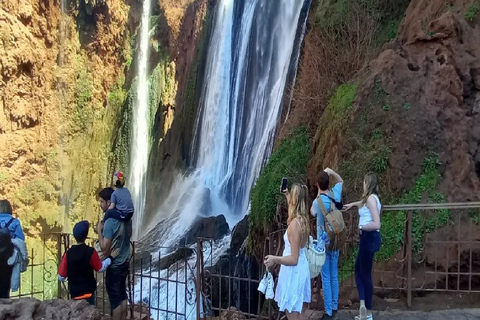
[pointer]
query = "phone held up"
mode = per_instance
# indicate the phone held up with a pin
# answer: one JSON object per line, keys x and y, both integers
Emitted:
{"x": 283, "y": 188}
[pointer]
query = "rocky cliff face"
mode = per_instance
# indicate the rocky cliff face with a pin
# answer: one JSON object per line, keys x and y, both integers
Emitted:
{"x": 411, "y": 100}
{"x": 68, "y": 86}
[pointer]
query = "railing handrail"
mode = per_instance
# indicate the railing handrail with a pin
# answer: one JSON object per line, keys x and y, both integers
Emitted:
{"x": 432, "y": 206}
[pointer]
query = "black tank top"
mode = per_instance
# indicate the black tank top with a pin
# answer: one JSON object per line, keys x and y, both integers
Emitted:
{"x": 81, "y": 279}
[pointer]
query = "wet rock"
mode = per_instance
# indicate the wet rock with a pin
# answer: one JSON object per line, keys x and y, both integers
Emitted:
{"x": 180, "y": 254}
{"x": 236, "y": 263}
{"x": 212, "y": 227}
{"x": 239, "y": 234}
{"x": 33, "y": 309}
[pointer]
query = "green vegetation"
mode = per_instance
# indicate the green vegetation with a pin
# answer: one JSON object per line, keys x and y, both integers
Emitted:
{"x": 289, "y": 160}
{"x": 472, "y": 12}
{"x": 335, "y": 17}
{"x": 334, "y": 118}
{"x": 393, "y": 223}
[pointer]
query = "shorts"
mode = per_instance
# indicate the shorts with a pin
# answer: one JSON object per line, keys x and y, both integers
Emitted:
{"x": 116, "y": 284}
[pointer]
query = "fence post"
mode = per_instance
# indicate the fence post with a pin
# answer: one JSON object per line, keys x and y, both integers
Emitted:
{"x": 270, "y": 250}
{"x": 59, "y": 259}
{"x": 199, "y": 274}
{"x": 409, "y": 258}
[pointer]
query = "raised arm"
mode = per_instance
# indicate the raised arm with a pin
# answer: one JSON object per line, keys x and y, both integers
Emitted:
{"x": 334, "y": 175}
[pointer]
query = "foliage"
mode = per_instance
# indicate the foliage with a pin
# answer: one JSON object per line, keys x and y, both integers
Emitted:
{"x": 472, "y": 12}
{"x": 289, "y": 160}
{"x": 393, "y": 223}
{"x": 336, "y": 16}
{"x": 334, "y": 118}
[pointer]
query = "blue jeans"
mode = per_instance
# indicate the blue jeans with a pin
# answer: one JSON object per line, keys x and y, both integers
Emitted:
{"x": 330, "y": 281}
{"x": 370, "y": 242}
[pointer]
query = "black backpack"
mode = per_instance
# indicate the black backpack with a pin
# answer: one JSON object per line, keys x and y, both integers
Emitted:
{"x": 6, "y": 246}
{"x": 5, "y": 230}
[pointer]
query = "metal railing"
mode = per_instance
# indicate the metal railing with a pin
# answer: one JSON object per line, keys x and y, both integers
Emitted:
{"x": 426, "y": 248}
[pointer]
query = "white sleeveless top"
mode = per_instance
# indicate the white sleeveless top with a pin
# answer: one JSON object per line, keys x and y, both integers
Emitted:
{"x": 365, "y": 214}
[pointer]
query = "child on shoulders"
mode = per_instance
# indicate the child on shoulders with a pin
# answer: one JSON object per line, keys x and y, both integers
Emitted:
{"x": 121, "y": 207}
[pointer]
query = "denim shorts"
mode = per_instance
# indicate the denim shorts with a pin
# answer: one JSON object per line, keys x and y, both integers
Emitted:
{"x": 116, "y": 284}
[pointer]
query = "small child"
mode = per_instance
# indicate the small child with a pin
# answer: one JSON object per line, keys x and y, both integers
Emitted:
{"x": 121, "y": 206}
{"x": 78, "y": 264}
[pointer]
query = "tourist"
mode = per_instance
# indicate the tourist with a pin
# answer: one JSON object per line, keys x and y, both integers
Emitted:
{"x": 9, "y": 222}
{"x": 10, "y": 232}
{"x": 121, "y": 204}
{"x": 294, "y": 288}
{"x": 370, "y": 242}
{"x": 330, "y": 268}
{"x": 112, "y": 234}
{"x": 78, "y": 264}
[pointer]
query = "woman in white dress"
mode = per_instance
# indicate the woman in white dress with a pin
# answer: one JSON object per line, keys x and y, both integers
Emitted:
{"x": 293, "y": 285}
{"x": 370, "y": 241}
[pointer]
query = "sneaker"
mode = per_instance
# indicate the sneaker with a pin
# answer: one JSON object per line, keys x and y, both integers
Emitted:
{"x": 363, "y": 314}
{"x": 327, "y": 317}
{"x": 269, "y": 294}
{"x": 263, "y": 284}
{"x": 369, "y": 317}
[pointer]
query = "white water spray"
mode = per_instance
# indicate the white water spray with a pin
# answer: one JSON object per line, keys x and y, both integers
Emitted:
{"x": 141, "y": 124}
{"x": 250, "y": 51}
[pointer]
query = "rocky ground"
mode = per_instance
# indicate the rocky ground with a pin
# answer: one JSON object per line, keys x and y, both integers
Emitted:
{"x": 33, "y": 309}
{"x": 469, "y": 314}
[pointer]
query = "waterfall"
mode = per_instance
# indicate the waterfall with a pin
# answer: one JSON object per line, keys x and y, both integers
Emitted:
{"x": 246, "y": 72}
{"x": 251, "y": 50}
{"x": 140, "y": 125}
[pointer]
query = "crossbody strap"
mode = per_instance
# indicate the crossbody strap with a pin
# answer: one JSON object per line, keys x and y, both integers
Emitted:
{"x": 9, "y": 223}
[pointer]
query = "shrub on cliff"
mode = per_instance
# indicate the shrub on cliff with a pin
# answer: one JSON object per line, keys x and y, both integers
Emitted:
{"x": 289, "y": 160}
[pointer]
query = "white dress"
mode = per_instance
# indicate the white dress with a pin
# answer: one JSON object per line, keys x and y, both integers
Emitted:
{"x": 293, "y": 284}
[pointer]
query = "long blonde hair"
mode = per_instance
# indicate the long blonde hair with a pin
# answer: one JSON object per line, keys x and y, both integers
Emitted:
{"x": 370, "y": 186}
{"x": 297, "y": 208}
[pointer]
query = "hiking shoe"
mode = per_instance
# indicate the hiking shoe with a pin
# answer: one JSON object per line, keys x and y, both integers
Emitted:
{"x": 269, "y": 294}
{"x": 263, "y": 284}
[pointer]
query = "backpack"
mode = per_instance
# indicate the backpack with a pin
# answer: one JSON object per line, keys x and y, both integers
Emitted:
{"x": 334, "y": 224}
{"x": 6, "y": 238}
{"x": 5, "y": 230}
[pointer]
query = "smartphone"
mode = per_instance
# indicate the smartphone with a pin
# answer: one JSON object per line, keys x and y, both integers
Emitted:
{"x": 283, "y": 188}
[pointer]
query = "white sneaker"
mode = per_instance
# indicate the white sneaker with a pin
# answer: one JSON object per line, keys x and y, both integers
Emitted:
{"x": 369, "y": 317}
{"x": 269, "y": 294}
{"x": 263, "y": 284}
{"x": 363, "y": 313}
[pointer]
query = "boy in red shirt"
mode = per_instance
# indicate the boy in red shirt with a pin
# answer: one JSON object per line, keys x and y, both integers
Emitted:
{"x": 79, "y": 264}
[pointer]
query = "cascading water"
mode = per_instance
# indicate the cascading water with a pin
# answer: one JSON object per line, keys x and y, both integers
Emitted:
{"x": 140, "y": 138}
{"x": 250, "y": 52}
